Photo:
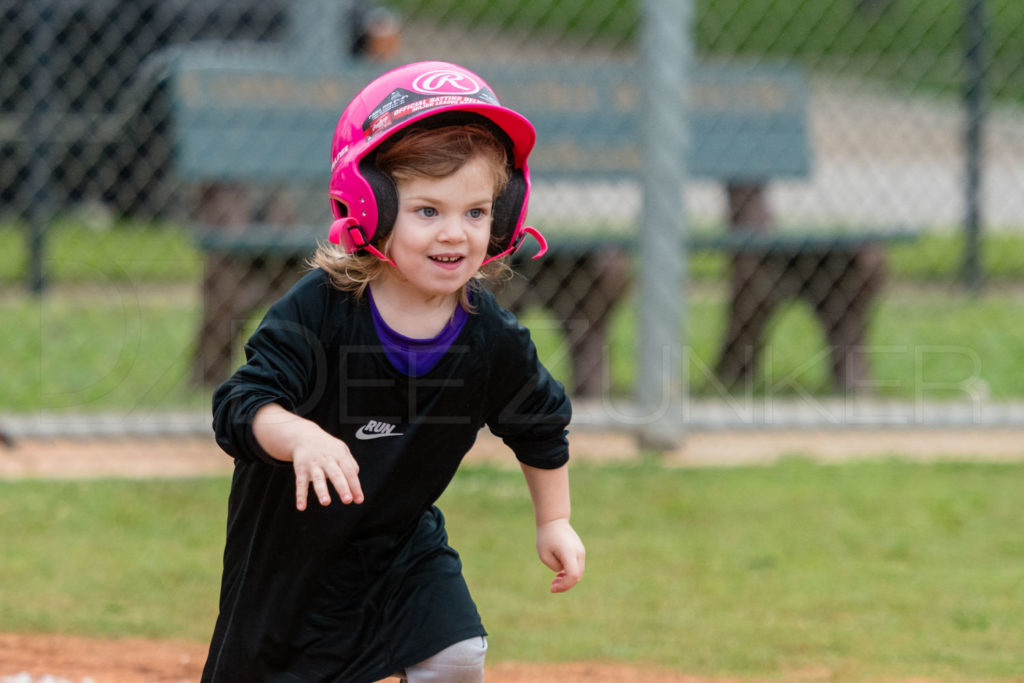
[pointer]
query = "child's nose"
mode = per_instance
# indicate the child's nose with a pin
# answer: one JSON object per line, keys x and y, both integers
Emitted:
{"x": 452, "y": 230}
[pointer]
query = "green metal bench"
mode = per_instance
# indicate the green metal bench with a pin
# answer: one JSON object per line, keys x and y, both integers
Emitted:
{"x": 243, "y": 122}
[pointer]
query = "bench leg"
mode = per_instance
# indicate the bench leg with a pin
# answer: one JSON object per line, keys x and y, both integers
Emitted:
{"x": 225, "y": 208}
{"x": 841, "y": 289}
{"x": 844, "y": 309}
{"x": 233, "y": 288}
{"x": 757, "y": 288}
{"x": 593, "y": 290}
{"x": 222, "y": 311}
{"x": 755, "y": 281}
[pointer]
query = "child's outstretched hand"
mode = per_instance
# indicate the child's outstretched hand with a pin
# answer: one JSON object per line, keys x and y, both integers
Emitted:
{"x": 316, "y": 456}
{"x": 320, "y": 458}
{"x": 561, "y": 549}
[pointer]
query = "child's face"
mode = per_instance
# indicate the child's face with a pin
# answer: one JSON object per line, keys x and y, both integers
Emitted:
{"x": 443, "y": 228}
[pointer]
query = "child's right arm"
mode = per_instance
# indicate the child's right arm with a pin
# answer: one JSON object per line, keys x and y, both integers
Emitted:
{"x": 316, "y": 456}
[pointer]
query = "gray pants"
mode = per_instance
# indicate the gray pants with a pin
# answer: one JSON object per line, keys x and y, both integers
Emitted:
{"x": 463, "y": 662}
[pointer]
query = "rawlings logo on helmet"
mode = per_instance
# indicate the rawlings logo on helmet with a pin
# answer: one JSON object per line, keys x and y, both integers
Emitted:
{"x": 445, "y": 82}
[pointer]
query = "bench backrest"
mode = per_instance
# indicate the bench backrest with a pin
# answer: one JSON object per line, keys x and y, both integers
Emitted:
{"x": 252, "y": 120}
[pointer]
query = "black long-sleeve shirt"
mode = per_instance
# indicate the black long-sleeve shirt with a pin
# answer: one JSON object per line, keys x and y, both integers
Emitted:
{"x": 354, "y": 592}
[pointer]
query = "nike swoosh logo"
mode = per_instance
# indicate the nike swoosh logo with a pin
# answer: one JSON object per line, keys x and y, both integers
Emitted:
{"x": 366, "y": 436}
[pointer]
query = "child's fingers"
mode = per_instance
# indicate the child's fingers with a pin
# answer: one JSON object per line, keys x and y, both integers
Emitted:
{"x": 355, "y": 487}
{"x": 563, "y": 582}
{"x": 350, "y": 472}
{"x": 345, "y": 477}
{"x": 320, "y": 487}
{"x": 341, "y": 484}
{"x": 568, "y": 564}
{"x": 322, "y": 468}
{"x": 301, "y": 489}
{"x": 570, "y": 574}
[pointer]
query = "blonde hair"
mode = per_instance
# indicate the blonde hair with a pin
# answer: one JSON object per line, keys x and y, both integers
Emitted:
{"x": 421, "y": 153}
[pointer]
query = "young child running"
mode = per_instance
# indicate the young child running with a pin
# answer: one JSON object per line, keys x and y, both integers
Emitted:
{"x": 365, "y": 386}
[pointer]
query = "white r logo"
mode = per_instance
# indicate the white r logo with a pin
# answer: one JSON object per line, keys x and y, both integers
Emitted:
{"x": 445, "y": 82}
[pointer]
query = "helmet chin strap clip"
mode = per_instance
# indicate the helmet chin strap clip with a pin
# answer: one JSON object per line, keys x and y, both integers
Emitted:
{"x": 514, "y": 247}
{"x": 350, "y": 226}
{"x": 529, "y": 230}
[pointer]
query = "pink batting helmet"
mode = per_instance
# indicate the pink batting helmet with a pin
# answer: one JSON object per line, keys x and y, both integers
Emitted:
{"x": 364, "y": 200}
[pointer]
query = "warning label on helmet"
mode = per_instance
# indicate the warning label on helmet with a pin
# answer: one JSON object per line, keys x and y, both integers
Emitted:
{"x": 401, "y": 104}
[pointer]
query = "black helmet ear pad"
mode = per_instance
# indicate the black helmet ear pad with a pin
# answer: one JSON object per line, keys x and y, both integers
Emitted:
{"x": 385, "y": 193}
{"x": 508, "y": 208}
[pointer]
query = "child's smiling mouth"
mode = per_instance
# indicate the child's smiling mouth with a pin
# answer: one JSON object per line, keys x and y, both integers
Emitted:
{"x": 447, "y": 260}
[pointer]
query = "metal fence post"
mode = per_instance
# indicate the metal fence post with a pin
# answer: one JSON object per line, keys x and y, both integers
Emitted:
{"x": 667, "y": 56}
{"x": 39, "y": 131}
{"x": 975, "y": 26}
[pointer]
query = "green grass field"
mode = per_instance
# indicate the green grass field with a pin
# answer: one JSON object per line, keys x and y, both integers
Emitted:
{"x": 870, "y": 571}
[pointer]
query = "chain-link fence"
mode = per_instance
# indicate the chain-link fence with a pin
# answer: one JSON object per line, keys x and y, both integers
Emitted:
{"x": 852, "y": 206}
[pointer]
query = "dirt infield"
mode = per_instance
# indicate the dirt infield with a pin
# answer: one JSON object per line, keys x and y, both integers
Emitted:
{"x": 65, "y": 659}
{"x": 199, "y": 456}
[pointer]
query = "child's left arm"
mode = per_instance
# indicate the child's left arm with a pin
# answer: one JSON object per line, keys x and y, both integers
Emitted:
{"x": 558, "y": 545}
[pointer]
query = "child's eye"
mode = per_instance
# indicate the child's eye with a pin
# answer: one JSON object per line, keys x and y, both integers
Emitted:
{"x": 477, "y": 213}
{"x": 427, "y": 211}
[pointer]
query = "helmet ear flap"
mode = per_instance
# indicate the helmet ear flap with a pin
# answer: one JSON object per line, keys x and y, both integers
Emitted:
{"x": 385, "y": 193}
{"x": 508, "y": 209}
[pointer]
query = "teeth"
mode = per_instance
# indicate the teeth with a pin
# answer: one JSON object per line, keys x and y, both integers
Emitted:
{"x": 447, "y": 259}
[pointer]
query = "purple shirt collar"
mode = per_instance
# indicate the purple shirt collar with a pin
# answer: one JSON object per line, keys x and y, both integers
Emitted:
{"x": 416, "y": 357}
